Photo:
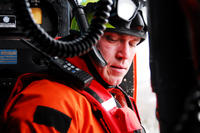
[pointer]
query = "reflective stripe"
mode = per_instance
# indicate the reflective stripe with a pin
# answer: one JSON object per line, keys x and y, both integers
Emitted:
{"x": 108, "y": 25}
{"x": 109, "y": 104}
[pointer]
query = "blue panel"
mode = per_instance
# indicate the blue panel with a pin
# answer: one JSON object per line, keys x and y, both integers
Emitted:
{"x": 8, "y": 56}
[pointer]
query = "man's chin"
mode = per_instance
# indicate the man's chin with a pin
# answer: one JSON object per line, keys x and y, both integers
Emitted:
{"x": 114, "y": 81}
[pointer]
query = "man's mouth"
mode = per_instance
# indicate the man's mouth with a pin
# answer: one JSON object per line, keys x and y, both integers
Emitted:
{"x": 118, "y": 67}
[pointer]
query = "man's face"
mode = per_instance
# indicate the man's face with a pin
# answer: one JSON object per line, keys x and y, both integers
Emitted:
{"x": 118, "y": 50}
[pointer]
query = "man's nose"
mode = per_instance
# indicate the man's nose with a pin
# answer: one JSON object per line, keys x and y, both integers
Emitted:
{"x": 124, "y": 51}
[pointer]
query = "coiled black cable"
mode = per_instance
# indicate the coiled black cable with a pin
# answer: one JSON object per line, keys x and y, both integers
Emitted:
{"x": 59, "y": 48}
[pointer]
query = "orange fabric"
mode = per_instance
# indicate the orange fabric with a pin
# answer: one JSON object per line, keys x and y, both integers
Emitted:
{"x": 20, "y": 109}
{"x": 135, "y": 78}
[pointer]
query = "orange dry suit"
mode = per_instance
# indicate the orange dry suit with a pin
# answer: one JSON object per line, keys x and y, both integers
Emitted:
{"x": 41, "y": 104}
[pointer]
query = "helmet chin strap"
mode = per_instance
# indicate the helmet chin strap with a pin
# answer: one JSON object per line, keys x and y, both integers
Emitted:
{"x": 97, "y": 57}
{"x": 94, "y": 72}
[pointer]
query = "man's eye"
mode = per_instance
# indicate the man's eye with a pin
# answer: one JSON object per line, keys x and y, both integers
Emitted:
{"x": 134, "y": 42}
{"x": 110, "y": 38}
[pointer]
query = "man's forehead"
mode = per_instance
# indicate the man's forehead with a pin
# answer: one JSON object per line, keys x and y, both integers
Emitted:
{"x": 120, "y": 34}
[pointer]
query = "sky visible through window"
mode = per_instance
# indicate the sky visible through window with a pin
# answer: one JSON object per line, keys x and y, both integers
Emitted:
{"x": 146, "y": 99}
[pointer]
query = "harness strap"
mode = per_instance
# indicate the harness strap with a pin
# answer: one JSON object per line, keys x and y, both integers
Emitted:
{"x": 94, "y": 94}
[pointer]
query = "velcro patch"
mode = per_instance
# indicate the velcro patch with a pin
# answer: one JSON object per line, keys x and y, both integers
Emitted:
{"x": 51, "y": 117}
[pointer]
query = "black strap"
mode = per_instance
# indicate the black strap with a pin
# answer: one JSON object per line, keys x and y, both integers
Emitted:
{"x": 128, "y": 101}
{"x": 94, "y": 94}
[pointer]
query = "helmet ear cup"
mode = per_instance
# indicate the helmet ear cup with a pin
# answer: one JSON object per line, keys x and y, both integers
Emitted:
{"x": 138, "y": 22}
